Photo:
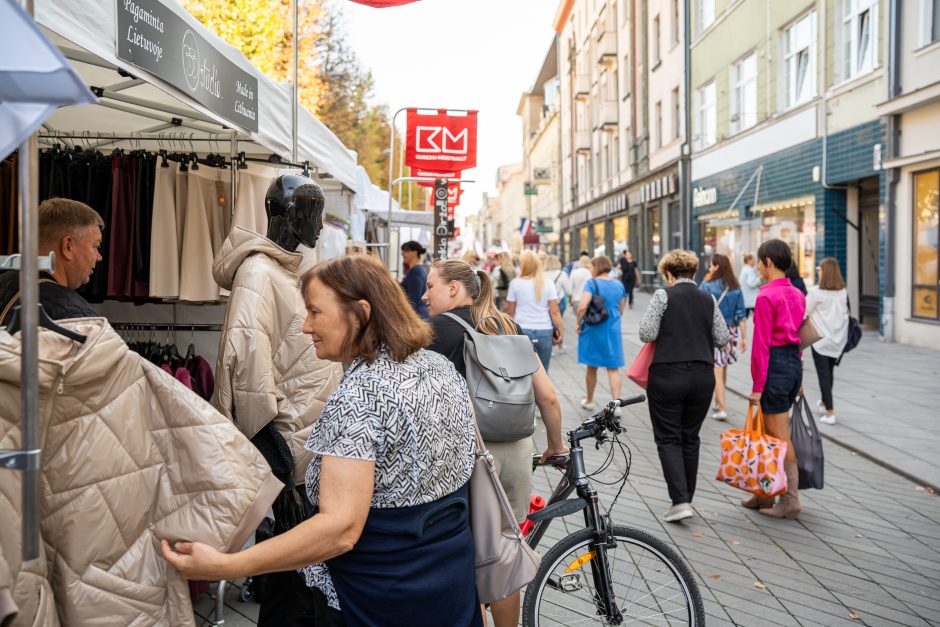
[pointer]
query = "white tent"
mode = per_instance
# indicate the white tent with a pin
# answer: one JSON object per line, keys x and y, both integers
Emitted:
{"x": 86, "y": 30}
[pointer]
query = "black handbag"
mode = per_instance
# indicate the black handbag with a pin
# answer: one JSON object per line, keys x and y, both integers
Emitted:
{"x": 854, "y": 335}
{"x": 597, "y": 309}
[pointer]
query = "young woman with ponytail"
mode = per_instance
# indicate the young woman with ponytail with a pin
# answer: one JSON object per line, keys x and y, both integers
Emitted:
{"x": 454, "y": 287}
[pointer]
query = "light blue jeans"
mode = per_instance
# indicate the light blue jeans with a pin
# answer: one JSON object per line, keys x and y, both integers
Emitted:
{"x": 542, "y": 342}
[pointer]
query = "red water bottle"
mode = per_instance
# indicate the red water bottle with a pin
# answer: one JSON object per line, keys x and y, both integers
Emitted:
{"x": 535, "y": 504}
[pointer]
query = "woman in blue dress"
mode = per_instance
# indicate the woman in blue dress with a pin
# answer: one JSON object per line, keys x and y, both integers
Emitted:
{"x": 600, "y": 345}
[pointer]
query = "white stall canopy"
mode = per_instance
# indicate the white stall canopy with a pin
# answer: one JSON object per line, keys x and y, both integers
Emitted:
{"x": 139, "y": 102}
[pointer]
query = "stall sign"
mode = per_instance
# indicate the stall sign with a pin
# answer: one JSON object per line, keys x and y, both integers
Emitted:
{"x": 441, "y": 141}
{"x": 153, "y": 37}
{"x": 442, "y": 229}
{"x": 705, "y": 196}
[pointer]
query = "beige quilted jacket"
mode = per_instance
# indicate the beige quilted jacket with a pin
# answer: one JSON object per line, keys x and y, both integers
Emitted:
{"x": 129, "y": 456}
{"x": 267, "y": 368}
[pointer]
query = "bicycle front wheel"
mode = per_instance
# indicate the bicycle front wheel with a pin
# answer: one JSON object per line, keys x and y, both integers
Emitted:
{"x": 651, "y": 584}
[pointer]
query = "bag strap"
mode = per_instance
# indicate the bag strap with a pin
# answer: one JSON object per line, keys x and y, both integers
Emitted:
{"x": 16, "y": 297}
{"x": 723, "y": 294}
{"x": 481, "y": 451}
{"x": 462, "y": 322}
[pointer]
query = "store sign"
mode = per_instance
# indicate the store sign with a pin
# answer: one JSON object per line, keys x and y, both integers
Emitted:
{"x": 453, "y": 196}
{"x": 442, "y": 229}
{"x": 154, "y": 38}
{"x": 663, "y": 186}
{"x": 441, "y": 141}
{"x": 702, "y": 197}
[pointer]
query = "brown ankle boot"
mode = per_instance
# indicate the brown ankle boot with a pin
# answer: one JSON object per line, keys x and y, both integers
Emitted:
{"x": 788, "y": 503}
{"x": 758, "y": 502}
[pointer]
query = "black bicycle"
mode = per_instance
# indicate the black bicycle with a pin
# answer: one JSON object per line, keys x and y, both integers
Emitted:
{"x": 605, "y": 573}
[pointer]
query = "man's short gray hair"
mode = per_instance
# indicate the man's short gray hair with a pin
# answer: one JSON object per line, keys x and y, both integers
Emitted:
{"x": 59, "y": 217}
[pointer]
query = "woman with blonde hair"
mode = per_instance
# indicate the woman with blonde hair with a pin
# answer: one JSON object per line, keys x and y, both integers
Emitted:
{"x": 827, "y": 305}
{"x": 456, "y": 288}
{"x": 533, "y": 303}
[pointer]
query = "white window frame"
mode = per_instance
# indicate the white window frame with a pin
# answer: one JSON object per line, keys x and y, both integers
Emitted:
{"x": 704, "y": 14}
{"x": 856, "y": 61}
{"x": 743, "y": 90}
{"x": 676, "y": 117}
{"x": 927, "y": 10}
{"x": 657, "y": 40}
{"x": 658, "y": 112}
{"x": 674, "y": 14}
{"x": 707, "y": 115}
{"x": 799, "y": 44}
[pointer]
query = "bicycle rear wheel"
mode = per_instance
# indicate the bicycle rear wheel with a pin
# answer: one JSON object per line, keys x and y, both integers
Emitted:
{"x": 652, "y": 585}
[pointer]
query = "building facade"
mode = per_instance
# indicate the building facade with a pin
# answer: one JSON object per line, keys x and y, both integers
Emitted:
{"x": 911, "y": 112}
{"x": 506, "y": 210}
{"x": 541, "y": 155}
{"x": 621, "y": 110}
{"x": 786, "y": 139}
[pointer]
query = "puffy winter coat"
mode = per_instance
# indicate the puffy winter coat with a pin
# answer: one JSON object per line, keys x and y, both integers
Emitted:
{"x": 129, "y": 457}
{"x": 267, "y": 368}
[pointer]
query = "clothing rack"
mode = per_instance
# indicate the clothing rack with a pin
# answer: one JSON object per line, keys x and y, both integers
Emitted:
{"x": 165, "y": 326}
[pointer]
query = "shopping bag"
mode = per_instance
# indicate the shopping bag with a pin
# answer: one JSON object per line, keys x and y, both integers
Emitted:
{"x": 807, "y": 444}
{"x": 752, "y": 460}
{"x": 639, "y": 370}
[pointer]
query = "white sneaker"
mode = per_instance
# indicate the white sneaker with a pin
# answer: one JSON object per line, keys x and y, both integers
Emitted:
{"x": 585, "y": 404}
{"x": 820, "y": 406}
{"x": 720, "y": 415}
{"x": 679, "y": 511}
{"x": 826, "y": 419}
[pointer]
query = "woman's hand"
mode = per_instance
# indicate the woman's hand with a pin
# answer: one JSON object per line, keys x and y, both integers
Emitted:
{"x": 743, "y": 344}
{"x": 198, "y": 561}
{"x": 754, "y": 398}
{"x": 552, "y": 452}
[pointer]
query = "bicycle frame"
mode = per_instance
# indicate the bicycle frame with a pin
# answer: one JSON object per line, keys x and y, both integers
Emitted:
{"x": 575, "y": 479}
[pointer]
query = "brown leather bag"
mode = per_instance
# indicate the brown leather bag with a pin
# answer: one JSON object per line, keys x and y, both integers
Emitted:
{"x": 808, "y": 333}
{"x": 504, "y": 562}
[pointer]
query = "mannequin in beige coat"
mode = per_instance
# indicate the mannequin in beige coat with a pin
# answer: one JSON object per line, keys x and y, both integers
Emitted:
{"x": 269, "y": 380}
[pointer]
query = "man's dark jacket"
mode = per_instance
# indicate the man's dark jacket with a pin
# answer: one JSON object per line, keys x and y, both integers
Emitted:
{"x": 57, "y": 300}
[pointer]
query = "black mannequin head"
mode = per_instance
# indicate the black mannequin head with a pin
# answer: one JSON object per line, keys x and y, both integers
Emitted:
{"x": 294, "y": 205}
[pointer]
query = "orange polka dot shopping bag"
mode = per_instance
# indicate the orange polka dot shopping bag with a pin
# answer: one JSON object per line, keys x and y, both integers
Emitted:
{"x": 751, "y": 459}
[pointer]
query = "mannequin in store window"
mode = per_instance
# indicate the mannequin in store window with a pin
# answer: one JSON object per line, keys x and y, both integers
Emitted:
{"x": 270, "y": 381}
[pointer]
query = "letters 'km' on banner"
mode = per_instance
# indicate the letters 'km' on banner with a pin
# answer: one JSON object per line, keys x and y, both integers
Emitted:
{"x": 441, "y": 141}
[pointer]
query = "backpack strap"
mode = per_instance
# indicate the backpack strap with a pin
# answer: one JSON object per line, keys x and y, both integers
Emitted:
{"x": 462, "y": 322}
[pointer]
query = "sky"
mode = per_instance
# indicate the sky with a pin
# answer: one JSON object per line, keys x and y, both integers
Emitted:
{"x": 461, "y": 54}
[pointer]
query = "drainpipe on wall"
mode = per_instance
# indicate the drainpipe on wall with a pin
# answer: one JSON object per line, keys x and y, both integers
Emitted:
{"x": 561, "y": 180}
{"x": 893, "y": 174}
{"x": 685, "y": 162}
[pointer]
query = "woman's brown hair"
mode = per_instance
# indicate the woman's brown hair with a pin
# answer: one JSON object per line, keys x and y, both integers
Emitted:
{"x": 602, "y": 264}
{"x": 393, "y": 323}
{"x": 830, "y": 276}
{"x": 487, "y": 318}
{"x": 723, "y": 271}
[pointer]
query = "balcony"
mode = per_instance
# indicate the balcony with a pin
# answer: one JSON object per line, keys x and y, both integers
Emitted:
{"x": 606, "y": 48}
{"x": 607, "y": 116}
{"x": 582, "y": 141}
{"x": 582, "y": 87}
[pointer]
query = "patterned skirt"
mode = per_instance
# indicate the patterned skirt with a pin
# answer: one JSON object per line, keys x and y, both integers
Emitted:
{"x": 725, "y": 356}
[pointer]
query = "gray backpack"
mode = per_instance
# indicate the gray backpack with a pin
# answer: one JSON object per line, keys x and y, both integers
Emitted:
{"x": 499, "y": 378}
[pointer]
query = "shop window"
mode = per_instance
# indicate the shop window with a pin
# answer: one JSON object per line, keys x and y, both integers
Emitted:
{"x": 926, "y": 272}
{"x": 583, "y": 242}
{"x": 600, "y": 239}
{"x": 859, "y": 37}
{"x": 744, "y": 93}
{"x": 675, "y": 225}
{"x": 655, "y": 233}
{"x": 799, "y": 54}
{"x": 707, "y": 112}
{"x": 621, "y": 234}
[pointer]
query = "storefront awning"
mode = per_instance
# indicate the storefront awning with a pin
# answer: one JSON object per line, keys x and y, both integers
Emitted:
{"x": 790, "y": 203}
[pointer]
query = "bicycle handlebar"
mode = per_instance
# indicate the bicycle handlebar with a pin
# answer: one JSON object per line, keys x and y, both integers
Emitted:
{"x": 633, "y": 399}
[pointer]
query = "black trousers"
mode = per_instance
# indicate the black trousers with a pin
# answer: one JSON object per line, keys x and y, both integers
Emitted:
{"x": 629, "y": 287}
{"x": 825, "y": 367}
{"x": 679, "y": 395}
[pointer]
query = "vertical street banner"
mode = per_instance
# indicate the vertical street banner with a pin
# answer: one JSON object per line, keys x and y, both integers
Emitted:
{"x": 441, "y": 141}
{"x": 442, "y": 229}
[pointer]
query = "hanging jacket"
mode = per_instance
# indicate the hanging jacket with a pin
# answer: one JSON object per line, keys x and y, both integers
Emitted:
{"x": 129, "y": 457}
{"x": 268, "y": 369}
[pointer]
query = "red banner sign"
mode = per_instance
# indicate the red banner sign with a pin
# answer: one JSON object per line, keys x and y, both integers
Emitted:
{"x": 433, "y": 175}
{"x": 441, "y": 142}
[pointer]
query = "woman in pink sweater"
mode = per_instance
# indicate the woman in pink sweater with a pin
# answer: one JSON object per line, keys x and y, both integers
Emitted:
{"x": 776, "y": 367}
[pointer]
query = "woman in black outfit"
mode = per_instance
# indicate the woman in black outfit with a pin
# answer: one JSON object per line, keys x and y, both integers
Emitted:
{"x": 686, "y": 325}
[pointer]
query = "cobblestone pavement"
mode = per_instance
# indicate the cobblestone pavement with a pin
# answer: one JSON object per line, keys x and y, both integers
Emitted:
{"x": 865, "y": 550}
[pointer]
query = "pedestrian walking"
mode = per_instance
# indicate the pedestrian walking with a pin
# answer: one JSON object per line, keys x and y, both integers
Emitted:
{"x": 503, "y": 274}
{"x": 454, "y": 287}
{"x": 601, "y": 345}
{"x": 721, "y": 283}
{"x": 687, "y": 325}
{"x": 580, "y": 274}
{"x": 750, "y": 284}
{"x": 533, "y": 303}
{"x": 827, "y": 305}
{"x": 629, "y": 274}
{"x": 776, "y": 367}
{"x": 393, "y": 451}
{"x": 562, "y": 282}
{"x": 416, "y": 276}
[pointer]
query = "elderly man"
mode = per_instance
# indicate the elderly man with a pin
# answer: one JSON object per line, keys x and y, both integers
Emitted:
{"x": 72, "y": 230}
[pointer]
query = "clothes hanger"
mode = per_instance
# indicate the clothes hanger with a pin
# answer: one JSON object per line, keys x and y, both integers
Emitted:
{"x": 45, "y": 322}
